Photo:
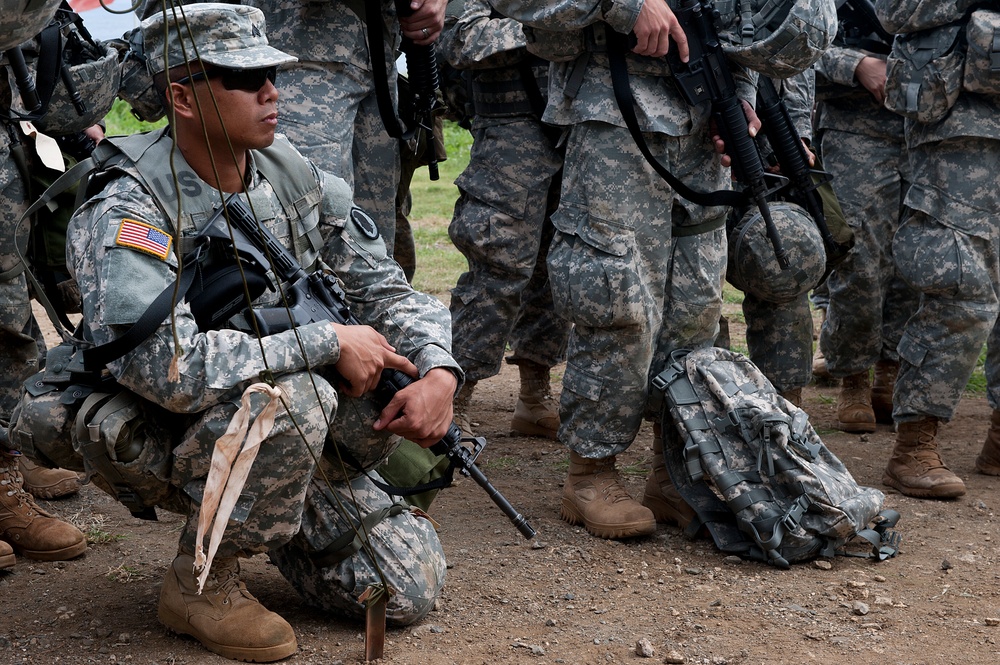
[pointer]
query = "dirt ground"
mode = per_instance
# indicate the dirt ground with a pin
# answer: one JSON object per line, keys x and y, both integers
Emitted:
{"x": 566, "y": 597}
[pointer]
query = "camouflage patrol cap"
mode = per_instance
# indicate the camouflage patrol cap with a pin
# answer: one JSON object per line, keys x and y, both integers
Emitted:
{"x": 230, "y": 36}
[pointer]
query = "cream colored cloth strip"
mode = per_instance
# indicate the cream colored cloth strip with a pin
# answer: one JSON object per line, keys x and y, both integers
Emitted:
{"x": 228, "y": 473}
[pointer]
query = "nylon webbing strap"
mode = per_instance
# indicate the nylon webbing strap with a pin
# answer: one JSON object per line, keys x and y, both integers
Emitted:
{"x": 446, "y": 479}
{"x": 617, "y": 46}
{"x": 350, "y": 542}
{"x": 98, "y": 357}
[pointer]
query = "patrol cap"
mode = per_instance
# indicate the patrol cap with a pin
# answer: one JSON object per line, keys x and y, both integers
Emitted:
{"x": 230, "y": 36}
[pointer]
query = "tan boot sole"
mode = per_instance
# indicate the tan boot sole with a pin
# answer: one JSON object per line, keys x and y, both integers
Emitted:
{"x": 948, "y": 491}
{"x": 570, "y": 514}
{"x": 180, "y": 625}
{"x": 61, "y": 489}
{"x": 7, "y": 561}
{"x": 519, "y": 426}
{"x": 856, "y": 428}
{"x": 64, "y": 554}
{"x": 987, "y": 469}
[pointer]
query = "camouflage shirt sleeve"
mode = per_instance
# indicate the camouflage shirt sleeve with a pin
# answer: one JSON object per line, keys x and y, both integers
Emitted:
{"x": 568, "y": 15}
{"x": 473, "y": 39}
{"x": 118, "y": 283}
{"x": 416, "y": 324}
{"x": 798, "y": 93}
{"x": 837, "y": 65}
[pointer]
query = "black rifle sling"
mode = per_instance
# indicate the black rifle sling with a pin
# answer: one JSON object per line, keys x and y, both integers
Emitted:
{"x": 617, "y": 47}
{"x": 97, "y": 358}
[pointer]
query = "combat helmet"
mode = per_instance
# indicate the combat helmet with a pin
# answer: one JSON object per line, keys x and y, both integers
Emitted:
{"x": 778, "y": 38}
{"x": 20, "y": 20}
{"x": 753, "y": 267}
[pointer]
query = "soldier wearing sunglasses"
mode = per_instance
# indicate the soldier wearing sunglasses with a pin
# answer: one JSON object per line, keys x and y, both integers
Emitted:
{"x": 128, "y": 245}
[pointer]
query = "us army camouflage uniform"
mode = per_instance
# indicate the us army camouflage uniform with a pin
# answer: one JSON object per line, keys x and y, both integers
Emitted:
{"x": 18, "y": 349}
{"x": 947, "y": 243}
{"x": 118, "y": 284}
{"x": 508, "y": 190}
{"x": 862, "y": 147}
{"x": 779, "y": 335}
{"x": 328, "y": 104}
{"x": 633, "y": 290}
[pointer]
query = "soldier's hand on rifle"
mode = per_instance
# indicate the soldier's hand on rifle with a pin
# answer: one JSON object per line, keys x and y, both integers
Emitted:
{"x": 422, "y": 411}
{"x": 364, "y": 353}
{"x": 753, "y": 123}
{"x": 425, "y": 23}
{"x": 654, "y": 29}
{"x": 870, "y": 73}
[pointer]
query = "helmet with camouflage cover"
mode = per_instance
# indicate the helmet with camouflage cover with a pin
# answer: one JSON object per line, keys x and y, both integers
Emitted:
{"x": 778, "y": 38}
{"x": 21, "y": 20}
{"x": 753, "y": 267}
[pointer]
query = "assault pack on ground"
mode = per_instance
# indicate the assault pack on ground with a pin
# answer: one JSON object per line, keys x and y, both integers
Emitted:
{"x": 754, "y": 470}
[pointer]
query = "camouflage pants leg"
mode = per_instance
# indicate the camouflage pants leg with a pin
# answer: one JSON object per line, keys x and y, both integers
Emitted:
{"x": 329, "y": 112}
{"x": 280, "y": 473}
{"x": 18, "y": 349}
{"x": 947, "y": 248}
{"x": 498, "y": 226}
{"x": 633, "y": 291}
{"x": 779, "y": 339}
{"x": 870, "y": 178}
{"x": 403, "y": 551}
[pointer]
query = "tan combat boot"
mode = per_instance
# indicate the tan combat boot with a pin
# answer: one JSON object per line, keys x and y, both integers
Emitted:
{"x": 916, "y": 469}
{"x": 854, "y": 404}
{"x": 44, "y": 483}
{"x": 988, "y": 462}
{"x": 461, "y": 409}
{"x": 793, "y": 395}
{"x": 820, "y": 369}
{"x": 7, "y": 558}
{"x": 882, "y": 386}
{"x": 30, "y": 530}
{"x": 225, "y": 617}
{"x": 536, "y": 413}
{"x": 660, "y": 495}
{"x": 593, "y": 496}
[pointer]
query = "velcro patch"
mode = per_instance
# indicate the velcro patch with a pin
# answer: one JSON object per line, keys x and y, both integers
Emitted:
{"x": 144, "y": 238}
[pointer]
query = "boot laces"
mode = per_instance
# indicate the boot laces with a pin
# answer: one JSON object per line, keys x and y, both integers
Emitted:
{"x": 12, "y": 481}
{"x": 612, "y": 489}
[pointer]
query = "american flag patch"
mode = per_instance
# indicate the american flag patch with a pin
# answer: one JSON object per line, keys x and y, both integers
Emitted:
{"x": 143, "y": 237}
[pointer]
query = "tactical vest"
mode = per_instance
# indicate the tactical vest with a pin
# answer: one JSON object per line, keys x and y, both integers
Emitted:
{"x": 143, "y": 156}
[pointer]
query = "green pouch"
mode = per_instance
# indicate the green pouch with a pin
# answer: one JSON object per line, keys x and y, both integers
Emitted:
{"x": 409, "y": 466}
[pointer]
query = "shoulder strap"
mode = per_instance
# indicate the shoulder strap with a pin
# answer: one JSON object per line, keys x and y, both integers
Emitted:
{"x": 617, "y": 46}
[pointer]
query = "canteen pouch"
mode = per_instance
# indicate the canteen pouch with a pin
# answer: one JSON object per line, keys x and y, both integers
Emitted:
{"x": 924, "y": 73}
{"x": 982, "y": 60}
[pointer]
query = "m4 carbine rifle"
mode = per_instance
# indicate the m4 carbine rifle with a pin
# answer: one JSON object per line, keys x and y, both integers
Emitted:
{"x": 706, "y": 77}
{"x": 318, "y": 296}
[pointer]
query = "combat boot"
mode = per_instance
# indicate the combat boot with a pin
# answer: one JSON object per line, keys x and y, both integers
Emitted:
{"x": 882, "y": 386}
{"x": 820, "y": 369}
{"x": 7, "y": 558}
{"x": 793, "y": 395}
{"x": 660, "y": 495}
{"x": 43, "y": 483}
{"x": 854, "y": 404}
{"x": 988, "y": 462}
{"x": 916, "y": 469}
{"x": 593, "y": 496}
{"x": 536, "y": 413}
{"x": 461, "y": 409}
{"x": 30, "y": 530}
{"x": 225, "y": 617}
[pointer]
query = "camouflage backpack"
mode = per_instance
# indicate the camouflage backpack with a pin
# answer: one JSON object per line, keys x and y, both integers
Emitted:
{"x": 755, "y": 471}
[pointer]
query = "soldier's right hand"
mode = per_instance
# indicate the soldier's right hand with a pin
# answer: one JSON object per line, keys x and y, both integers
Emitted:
{"x": 364, "y": 353}
{"x": 654, "y": 29}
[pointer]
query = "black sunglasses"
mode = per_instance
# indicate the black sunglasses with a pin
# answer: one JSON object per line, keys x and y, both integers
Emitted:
{"x": 250, "y": 80}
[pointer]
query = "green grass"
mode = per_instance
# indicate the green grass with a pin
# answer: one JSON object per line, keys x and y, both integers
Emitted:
{"x": 120, "y": 120}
